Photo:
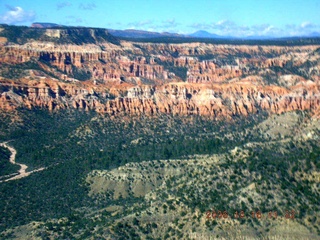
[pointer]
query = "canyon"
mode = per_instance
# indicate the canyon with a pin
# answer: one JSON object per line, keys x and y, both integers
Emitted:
{"x": 123, "y": 139}
{"x": 154, "y": 78}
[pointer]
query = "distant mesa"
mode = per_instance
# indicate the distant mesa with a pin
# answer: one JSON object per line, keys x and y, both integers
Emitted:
{"x": 133, "y": 33}
{"x": 59, "y": 34}
{"x": 45, "y": 25}
{"x": 201, "y": 34}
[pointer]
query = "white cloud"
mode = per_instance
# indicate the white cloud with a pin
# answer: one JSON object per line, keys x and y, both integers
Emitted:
{"x": 224, "y": 25}
{"x": 63, "y": 5}
{"x": 74, "y": 20}
{"x": 168, "y": 24}
{"x": 304, "y": 29}
{"x": 230, "y": 28}
{"x": 17, "y": 15}
{"x": 200, "y": 26}
{"x": 307, "y": 25}
{"x": 88, "y": 6}
{"x": 139, "y": 25}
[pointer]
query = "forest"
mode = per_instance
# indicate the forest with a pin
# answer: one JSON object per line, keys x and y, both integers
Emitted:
{"x": 70, "y": 144}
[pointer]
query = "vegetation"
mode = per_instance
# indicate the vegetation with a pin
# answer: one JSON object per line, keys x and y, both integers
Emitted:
{"x": 6, "y": 167}
{"x": 139, "y": 177}
{"x": 180, "y": 72}
{"x": 295, "y": 41}
{"x": 81, "y": 74}
{"x": 69, "y": 35}
{"x": 82, "y": 35}
{"x": 72, "y": 151}
{"x": 80, "y": 142}
{"x": 20, "y": 34}
{"x": 16, "y": 71}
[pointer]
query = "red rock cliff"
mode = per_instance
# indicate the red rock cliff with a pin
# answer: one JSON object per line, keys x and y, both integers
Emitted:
{"x": 141, "y": 78}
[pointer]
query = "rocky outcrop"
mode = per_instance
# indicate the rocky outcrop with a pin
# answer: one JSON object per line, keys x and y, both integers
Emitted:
{"x": 155, "y": 63}
{"x": 216, "y": 101}
{"x": 109, "y": 65}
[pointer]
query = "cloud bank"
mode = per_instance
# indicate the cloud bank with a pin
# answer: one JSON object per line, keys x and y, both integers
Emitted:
{"x": 230, "y": 28}
{"x": 16, "y": 15}
{"x": 169, "y": 25}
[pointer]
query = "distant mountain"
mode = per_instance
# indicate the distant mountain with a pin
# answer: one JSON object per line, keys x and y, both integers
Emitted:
{"x": 132, "y": 33}
{"x": 204, "y": 34}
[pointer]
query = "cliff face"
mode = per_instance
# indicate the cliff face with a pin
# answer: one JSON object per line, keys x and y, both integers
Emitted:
{"x": 144, "y": 78}
{"x": 217, "y": 100}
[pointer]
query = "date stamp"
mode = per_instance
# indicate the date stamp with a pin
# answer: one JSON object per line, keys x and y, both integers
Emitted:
{"x": 223, "y": 214}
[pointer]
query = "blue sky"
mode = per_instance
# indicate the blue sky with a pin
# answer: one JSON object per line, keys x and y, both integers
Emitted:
{"x": 223, "y": 17}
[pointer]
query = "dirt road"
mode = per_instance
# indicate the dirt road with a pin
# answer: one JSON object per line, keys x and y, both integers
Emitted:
{"x": 22, "y": 172}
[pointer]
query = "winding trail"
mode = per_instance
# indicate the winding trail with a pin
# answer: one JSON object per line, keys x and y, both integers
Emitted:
{"x": 22, "y": 172}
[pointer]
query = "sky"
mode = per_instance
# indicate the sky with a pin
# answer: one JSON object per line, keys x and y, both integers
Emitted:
{"x": 239, "y": 18}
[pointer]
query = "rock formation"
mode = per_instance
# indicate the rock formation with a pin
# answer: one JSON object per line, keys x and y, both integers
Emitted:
{"x": 148, "y": 78}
